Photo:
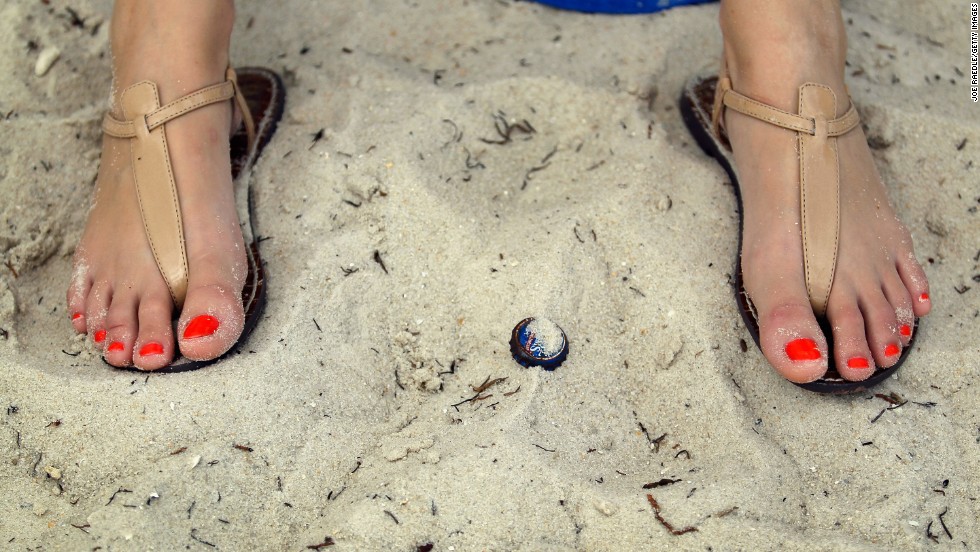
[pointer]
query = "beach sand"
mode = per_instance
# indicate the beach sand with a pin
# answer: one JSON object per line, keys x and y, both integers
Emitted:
{"x": 350, "y": 416}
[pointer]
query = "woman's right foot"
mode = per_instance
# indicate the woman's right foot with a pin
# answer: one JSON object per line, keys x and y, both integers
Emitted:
{"x": 117, "y": 295}
{"x": 771, "y": 48}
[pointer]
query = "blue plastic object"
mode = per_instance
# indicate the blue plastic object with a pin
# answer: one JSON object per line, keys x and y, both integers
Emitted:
{"x": 618, "y": 6}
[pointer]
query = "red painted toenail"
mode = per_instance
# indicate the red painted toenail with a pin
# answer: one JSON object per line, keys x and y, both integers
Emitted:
{"x": 924, "y": 297}
{"x": 76, "y": 316}
{"x": 905, "y": 330}
{"x": 892, "y": 350}
{"x": 802, "y": 349}
{"x": 152, "y": 348}
{"x": 99, "y": 336}
{"x": 857, "y": 362}
{"x": 202, "y": 326}
{"x": 116, "y": 346}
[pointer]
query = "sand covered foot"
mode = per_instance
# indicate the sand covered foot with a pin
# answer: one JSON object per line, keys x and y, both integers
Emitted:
{"x": 117, "y": 294}
{"x": 772, "y": 48}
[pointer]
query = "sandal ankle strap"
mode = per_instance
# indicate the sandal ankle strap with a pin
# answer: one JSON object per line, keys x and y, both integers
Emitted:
{"x": 206, "y": 96}
{"x": 813, "y": 126}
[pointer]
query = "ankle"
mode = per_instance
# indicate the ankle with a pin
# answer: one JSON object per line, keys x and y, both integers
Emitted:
{"x": 182, "y": 46}
{"x": 785, "y": 42}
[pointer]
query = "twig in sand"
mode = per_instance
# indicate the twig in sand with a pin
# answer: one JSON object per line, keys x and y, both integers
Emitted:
{"x": 662, "y": 483}
{"x": 200, "y": 540}
{"x": 655, "y": 442}
{"x": 327, "y": 541}
{"x": 479, "y": 389}
{"x": 528, "y": 175}
{"x": 506, "y": 130}
{"x": 487, "y": 383}
{"x": 457, "y": 133}
{"x": 452, "y": 367}
{"x": 316, "y": 138}
{"x": 930, "y": 535}
{"x": 664, "y": 522}
{"x": 943, "y": 523}
{"x": 891, "y": 398}
{"x": 377, "y": 259}
{"x": 883, "y": 410}
{"x": 119, "y": 491}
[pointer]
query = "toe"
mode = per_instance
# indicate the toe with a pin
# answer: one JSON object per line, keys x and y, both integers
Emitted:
{"x": 916, "y": 284}
{"x": 882, "y": 329}
{"x": 901, "y": 302}
{"x": 121, "y": 329}
{"x": 211, "y": 322}
{"x": 77, "y": 297}
{"x": 852, "y": 356}
{"x": 96, "y": 310}
{"x": 154, "y": 348}
{"x": 793, "y": 343}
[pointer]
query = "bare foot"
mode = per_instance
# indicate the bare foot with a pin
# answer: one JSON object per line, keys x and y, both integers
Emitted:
{"x": 117, "y": 294}
{"x": 771, "y": 48}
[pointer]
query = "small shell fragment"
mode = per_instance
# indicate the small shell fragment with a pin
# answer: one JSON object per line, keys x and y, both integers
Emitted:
{"x": 46, "y": 59}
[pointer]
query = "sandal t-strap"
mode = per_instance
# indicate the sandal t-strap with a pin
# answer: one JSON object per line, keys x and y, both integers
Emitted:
{"x": 144, "y": 125}
{"x": 817, "y": 128}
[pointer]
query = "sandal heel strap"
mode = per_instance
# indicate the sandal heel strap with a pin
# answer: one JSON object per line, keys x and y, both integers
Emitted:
{"x": 249, "y": 123}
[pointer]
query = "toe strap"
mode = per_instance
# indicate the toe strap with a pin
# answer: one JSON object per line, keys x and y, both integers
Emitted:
{"x": 819, "y": 194}
{"x": 155, "y": 186}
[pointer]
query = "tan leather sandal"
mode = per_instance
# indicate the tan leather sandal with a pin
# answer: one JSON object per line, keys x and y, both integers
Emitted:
{"x": 260, "y": 97}
{"x": 817, "y": 126}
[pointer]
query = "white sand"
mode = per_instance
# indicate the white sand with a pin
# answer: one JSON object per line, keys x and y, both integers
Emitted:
{"x": 349, "y": 432}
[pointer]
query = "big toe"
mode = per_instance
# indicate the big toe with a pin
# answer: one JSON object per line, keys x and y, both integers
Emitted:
{"x": 211, "y": 321}
{"x": 792, "y": 341}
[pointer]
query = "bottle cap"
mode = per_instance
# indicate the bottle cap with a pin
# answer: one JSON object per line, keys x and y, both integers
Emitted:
{"x": 539, "y": 342}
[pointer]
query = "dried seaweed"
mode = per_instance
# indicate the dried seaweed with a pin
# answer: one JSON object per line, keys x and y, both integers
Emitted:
{"x": 667, "y": 525}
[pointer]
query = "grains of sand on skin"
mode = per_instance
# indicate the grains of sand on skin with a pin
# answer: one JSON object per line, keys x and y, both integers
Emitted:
{"x": 548, "y": 336}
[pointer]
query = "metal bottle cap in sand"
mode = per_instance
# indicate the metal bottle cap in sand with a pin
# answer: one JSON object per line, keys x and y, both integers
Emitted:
{"x": 539, "y": 342}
